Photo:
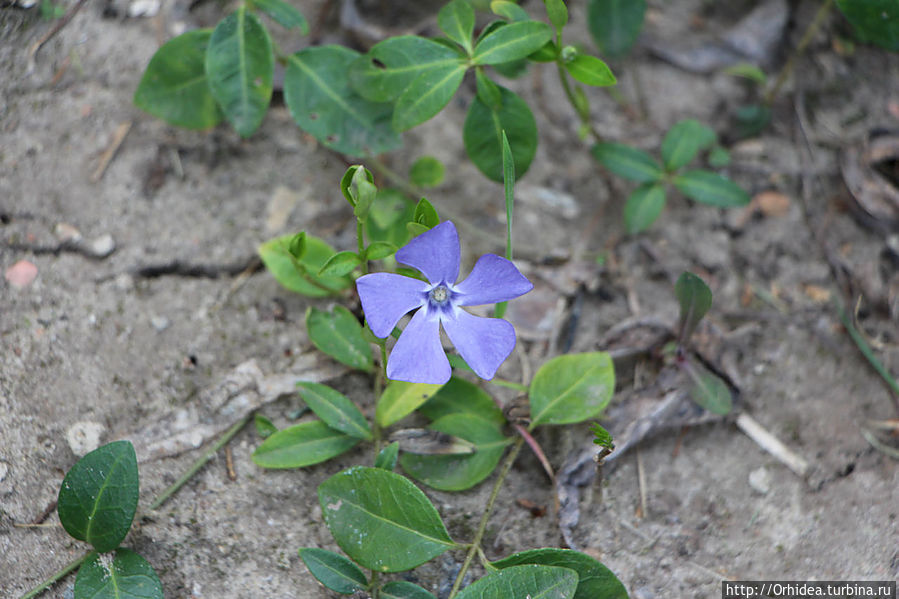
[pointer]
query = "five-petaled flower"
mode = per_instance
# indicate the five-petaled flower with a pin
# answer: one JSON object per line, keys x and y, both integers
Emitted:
{"x": 418, "y": 356}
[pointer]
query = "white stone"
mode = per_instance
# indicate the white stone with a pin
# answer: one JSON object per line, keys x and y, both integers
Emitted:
{"x": 760, "y": 480}
{"x": 84, "y": 437}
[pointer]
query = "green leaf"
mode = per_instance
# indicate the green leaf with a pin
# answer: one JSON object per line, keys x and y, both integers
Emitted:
{"x": 709, "y": 391}
{"x": 401, "y": 589}
{"x": 875, "y": 21}
{"x": 297, "y": 245}
{"x": 339, "y": 334}
{"x": 240, "y": 66}
{"x": 482, "y": 134}
{"x": 378, "y": 250}
{"x": 283, "y": 13}
{"x": 264, "y": 426}
{"x": 381, "y": 520}
{"x": 683, "y": 141}
{"x": 595, "y": 581}
{"x": 643, "y": 207}
{"x": 711, "y": 188}
{"x": 590, "y": 70}
{"x": 459, "y": 396}
{"x": 602, "y": 437}
{"x": 511, "y": 42}
{"x": 548, "y": 52}
{"x": 426, "y": 95}
{"x": 425, "y": 214}
{"x": 695, "y": 299}
{"x": 301, "y": 445}
{"x": 509, "y": 10}
{"x": 174, "y": 86}
{"x": 627, "y": 162}
{"x": 571, "y": 388}
{"x": 751, "y": 119}
{"x": 335, "y": 409}
{"x": 427, "y": 171}
{"x": 390, "y": 212}
{"x": 719, "y": 157}
{"x": 321, "y": 102}
{"x": 487, "y": 90}
{"x": 340, "y": 264}
{"x": 747, "y": 71}
{"x": 387, "y": 457}
{"x": 334, "y": 570}
{"x": 615, "y": 24}
{"x": 456, "y": 20}
{"x": 275, "y": 254}
{"x": 530, "y": 580}
{"x": 98, "y": 496}
{"x": 400, "y": 399}
{"x": 557, "y": 13}
{"x": 124, "y": 575}
{"x": 390, "y": 66}
{"x": 349, "y": 183}
{"x": 460, "y": 471}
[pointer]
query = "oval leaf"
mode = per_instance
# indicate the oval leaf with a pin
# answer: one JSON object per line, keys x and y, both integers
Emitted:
{"x": 571, "y": 388}
{"x": 695, "y": 299}
{"x": 124, "y": 575}
{"x": 98, "y": 496}
{"x": 427, "y": 171}
{"x": 511, "y": 42}
{"x": 710, "y": 392}
{"x": 321, "y": 102}
{"x": 174, "y": 86}
{"x": 334, "y": 570}
{"x": 339, "y": 334}
{"x": 456, "y": 20}
{"x": 240, "y": 66}
{"x": 876, "y": 21}
{"x": 302, "y": 445}
{"x": 276, "y": 256}
{"x": 627, "y": 162}
{"x": 400, "y": 399}
{"x": 283, "y": 13}
{"x": 459, "y": 396}
{"x": 557, "y": 13}
{"x": 340, "y": 264}
{"x": 483, "y": 135}
{"x": 378, "y": 250}
{"x": 615, "y": 24}
{"x": 387, "y": 457}
{"x": 426, "y": 95}
{"x": 531, "y": 580}
{"x": 590, "y": 70}
{"x": 594, "y": 579}
{"x": 643, "y": 207}
{"x": 402, "y": 589}
{"x": 711, "y": 188}
{"x": 335, "y": 409}
{"x": 381, "y": 520}
{"x": 683, "y": 141}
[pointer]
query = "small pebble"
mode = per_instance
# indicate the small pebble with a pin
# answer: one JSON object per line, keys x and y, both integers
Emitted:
{"x": 760, "y": 480}
{"x": 102, "y": 246}
{"x": 160, "y": 323}
{"x": 143, "y": 8}
{"x": 21, "y": 274}
{"x": 84, "y": 437}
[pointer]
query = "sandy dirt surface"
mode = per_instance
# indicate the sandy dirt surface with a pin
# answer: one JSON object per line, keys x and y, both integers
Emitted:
{"x": 127, "y": 344}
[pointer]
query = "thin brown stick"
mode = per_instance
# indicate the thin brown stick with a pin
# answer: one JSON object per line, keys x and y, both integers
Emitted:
{"x": 35, "y": 48}
{"x": 118, "y": 137}
{"x": 229, "y": 464}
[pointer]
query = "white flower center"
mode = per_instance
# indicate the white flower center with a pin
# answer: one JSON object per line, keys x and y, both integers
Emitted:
{"x": 439, "y": 294}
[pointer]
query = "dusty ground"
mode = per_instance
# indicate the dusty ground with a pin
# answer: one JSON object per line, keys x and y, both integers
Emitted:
{"x": 95, "y": 340}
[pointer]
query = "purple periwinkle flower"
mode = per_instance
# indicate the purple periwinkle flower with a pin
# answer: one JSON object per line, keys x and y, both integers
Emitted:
{"x": 418, "y": 356}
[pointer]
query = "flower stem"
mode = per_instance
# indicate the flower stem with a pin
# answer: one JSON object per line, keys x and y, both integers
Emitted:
{"x": 566, "y": 87}
{"x": 360, "y": 245}
{"x": 482, "y": 527}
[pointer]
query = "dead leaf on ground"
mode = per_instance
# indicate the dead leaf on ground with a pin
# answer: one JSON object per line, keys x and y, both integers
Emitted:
{"x": 871, "y": 172}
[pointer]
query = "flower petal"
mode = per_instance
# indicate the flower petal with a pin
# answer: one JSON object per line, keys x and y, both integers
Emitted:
{"x": 484, "y": 343}
{"x": 387, "y": 297}
{"x": 435, "y": 253}
{"x": 493, "y": 279}
{"x": 418, "y": 356}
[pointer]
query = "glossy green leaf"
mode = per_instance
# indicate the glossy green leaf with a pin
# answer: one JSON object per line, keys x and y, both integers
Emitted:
{"x": 335, "y": 409}
{"x": 643, "y": 207}
{"x": 590, "y": 70}
{"x": 695, "y": 299}
{"x": 123, "y": 575}
{"x": 571, "y": 388}
{"x": 302, "y": 445}
{"x": 276, "y": 256}
{"x": 548, "y": 52}
{"x": 628, "y": 162}
{"x": 389, "y": 214}
{"x": 283, "y": 13}
{"x": 709, "y": 391}
{"x": 511, "y": 42}
{"x": 349, "y": 183}
{"x": 98, "y": 496}
{"x": 381, "y": 520}
{"x": 390, "y": 66}
{"x": 488, "y": 91}
{"x": 333, "y": 570}
{"x": 425, "y": 214}
{"x": 387, "y": 457}
{"x": 530, "y": 580}
{"x": 297, "y": 245}
{"x": 557, "y": 13}
{"x": 264, "y": 427}
{"x": 401, "y": 589}
{"x": 602, "y": 437}
{"x": 595, "y": 581}
{"x": 378, "y": 250}
{"x": 321, "y": 102}
{"x": 875, "y": 21}
{"x": 339, "y": 334}
{"x": 615, "y": 24}
{"x": 683, "y": 141}
{"x": 711, "y": 188}
{"x": 340, "y": 264}
{"x": 426, "y": 95}
{"x": 509, "y": 10}
{"x": 460, "y": 396}
{"x": 174, "y": 86}
{"x": 461, "y": 471}
{"x": 240, "y": 66}
{"x": 400, "y": 399}
{"x": 482, "y": 134}
{"x": 427, "y": 171}
{"x": 456, "y": 20}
